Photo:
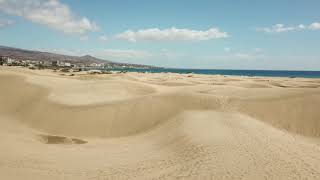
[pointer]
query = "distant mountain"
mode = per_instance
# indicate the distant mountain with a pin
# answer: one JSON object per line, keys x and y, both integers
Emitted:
{"x": 46, "y": 56}
{"x": 22, "y": 54}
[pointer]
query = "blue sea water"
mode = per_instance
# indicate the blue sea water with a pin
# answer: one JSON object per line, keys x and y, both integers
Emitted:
{"x": 267, "y": 73}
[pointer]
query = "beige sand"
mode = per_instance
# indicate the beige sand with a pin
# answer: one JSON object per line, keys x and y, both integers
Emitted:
{"x": 157, "y": 126}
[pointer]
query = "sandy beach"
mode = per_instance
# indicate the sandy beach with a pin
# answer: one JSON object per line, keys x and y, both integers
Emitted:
{"x": 54, "y": 126}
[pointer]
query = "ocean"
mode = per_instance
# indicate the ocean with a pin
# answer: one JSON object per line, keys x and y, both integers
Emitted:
{"x": 267, "y": 73}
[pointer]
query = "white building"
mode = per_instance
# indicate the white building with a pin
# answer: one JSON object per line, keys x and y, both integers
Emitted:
{"x": 93, "y": 65}
{"x": 67, "y": 64}
{"x": 9, "y": 60}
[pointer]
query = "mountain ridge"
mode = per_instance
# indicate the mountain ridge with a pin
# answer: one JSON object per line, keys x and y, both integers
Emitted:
{"x": 34, "y": 55}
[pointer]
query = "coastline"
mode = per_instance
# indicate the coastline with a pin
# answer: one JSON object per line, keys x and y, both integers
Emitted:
{"x": 232, "y": 72}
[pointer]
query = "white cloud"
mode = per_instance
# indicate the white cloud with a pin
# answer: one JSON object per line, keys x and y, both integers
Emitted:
{"x": 122, "y": 54}
{"x": 51, "y": 13}
{"x": 280, "y": 28}
{"x": 103, "y": 38}
{"x": 5, "y": 23}
{"x": 314, "y": 26}
{"x": 172, "y": 34}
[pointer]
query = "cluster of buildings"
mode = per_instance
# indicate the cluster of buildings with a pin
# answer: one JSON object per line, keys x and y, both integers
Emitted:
{"x": 8, "y": 61}
{"x": 36, "y": 64}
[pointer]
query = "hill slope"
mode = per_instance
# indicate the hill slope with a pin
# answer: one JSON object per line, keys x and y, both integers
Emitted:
{"x": 46, "y": 56}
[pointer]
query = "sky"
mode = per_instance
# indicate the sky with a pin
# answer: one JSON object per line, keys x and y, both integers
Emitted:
{"x": 206, "y": 34}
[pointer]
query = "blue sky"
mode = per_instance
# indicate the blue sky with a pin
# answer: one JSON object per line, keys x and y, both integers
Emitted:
{"x": 225, "y": 34}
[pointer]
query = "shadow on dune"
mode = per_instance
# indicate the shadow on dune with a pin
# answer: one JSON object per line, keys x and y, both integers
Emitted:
{"x": 51, "y": 139}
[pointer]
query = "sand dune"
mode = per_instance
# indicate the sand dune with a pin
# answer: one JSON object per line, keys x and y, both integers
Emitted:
{"x": 157, "y": 126}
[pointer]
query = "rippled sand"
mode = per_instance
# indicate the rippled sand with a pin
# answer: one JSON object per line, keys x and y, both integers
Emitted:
{"x": 157, "y": 126}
